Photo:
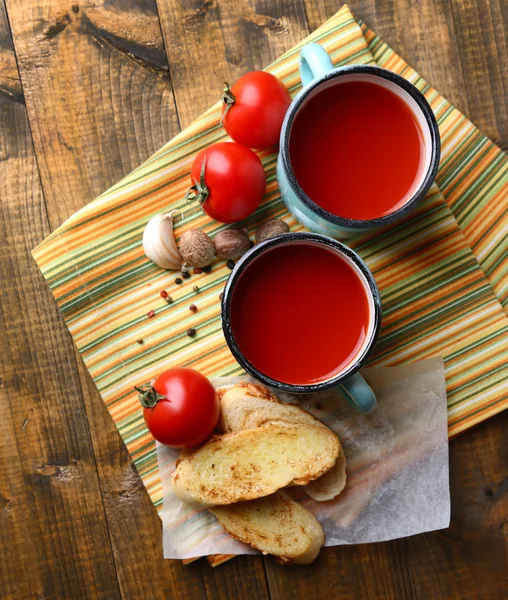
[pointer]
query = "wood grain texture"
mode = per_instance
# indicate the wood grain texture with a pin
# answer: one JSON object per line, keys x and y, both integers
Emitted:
{"x": 210, "y": 42}
{"x": 53, "y": 535}
{"x": 106, "y": 83}
{"x": 97, "y": 90}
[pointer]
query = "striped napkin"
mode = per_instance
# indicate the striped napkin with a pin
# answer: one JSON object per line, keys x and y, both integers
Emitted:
{"x": 442, "y": 271}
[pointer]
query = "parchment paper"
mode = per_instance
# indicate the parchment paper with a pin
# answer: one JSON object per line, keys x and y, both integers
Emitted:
{"x": 397, "y": 467}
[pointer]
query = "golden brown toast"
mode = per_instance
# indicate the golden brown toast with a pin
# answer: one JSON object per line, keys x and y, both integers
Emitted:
{"x": 250, "y": 406}
{"x": 275, "y": 525}
{"x": 254, "y": 463}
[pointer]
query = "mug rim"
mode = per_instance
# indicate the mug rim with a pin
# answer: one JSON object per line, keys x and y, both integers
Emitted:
{"x": 244, "y": 263}
{"x": 418, "y": 194}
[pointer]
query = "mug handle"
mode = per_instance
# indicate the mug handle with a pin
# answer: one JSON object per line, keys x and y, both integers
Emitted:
{"x": 358, "y": 393}
{"x": 314, "y": 63}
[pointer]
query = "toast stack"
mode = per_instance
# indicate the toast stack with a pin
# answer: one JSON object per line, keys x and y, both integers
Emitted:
{"x": 265, "y": 446}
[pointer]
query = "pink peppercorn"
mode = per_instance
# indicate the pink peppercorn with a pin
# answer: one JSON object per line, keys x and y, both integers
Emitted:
{"x": 151, "y": 313}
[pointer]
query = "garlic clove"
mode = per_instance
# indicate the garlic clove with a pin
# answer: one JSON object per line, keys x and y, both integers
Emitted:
{"x": 159, "y": 242}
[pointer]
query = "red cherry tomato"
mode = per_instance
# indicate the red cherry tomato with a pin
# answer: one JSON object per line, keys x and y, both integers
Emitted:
{"x": 181, "y": 409}
{"x": 254, "y": 109}
{"x": 229, "y": 181}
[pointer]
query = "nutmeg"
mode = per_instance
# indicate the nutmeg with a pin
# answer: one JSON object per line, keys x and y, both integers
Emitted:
{"x": 196, "y": 248}
{"x": 230, "y": 244}
{"x": 270, "y": 229}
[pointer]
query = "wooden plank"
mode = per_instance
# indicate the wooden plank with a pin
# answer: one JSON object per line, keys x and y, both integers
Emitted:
{"x": 98, "y": 93}
{"x": 100, "y": 102}
{"x": 53, "y": 533}
{"x": 481, "y": 40}
{"x": 210, "y": 42}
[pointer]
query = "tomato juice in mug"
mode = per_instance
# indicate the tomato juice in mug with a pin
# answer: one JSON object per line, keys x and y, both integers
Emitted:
{"x": 301, "y": 313}
{"x": 359, "y": 147}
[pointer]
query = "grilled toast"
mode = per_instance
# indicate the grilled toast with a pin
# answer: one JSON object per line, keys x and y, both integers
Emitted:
{"x": 275, "y": 525}
{"x": 254, "y": 463}
{"x": 247, "y": 406}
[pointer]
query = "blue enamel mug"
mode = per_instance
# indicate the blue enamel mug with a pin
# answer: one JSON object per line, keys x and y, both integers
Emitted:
{"x": 316, "y": 72}
{"x": 350, "y": 383}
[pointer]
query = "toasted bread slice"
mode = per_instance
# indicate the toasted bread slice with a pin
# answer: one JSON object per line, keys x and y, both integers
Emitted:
{"x": 331, "y": 484}
{"x": 241, "y": 410}
{"x": 254, "y": 463}
{"x": 247, "y": 408}
{"x": 247, "y": 388}
{"x": 274, "y": 525}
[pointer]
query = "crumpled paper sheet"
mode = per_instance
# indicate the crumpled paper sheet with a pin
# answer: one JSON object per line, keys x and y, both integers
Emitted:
{"x": 397, "y": 469}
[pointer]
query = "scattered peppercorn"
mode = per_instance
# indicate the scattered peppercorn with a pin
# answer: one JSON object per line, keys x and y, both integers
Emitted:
{"x": 191, "y": 332}
{"x": 140, "y": 341}
{"x": 193, "y": 308}
{"x": 168, "y": 299}
{"x": 151, "y": 313}
{"x": 207, "y": 269}
{"x": 230, "y": 264}
{"x": 197, "y": 271}
{"x": 164, "y": 294}
{"x": 195, "y": 289}
{"x": 178, "y": 281}
{"x": 252, "y": 244}
{"x": 221, "y": 295}
{"x": 186, "y": 274}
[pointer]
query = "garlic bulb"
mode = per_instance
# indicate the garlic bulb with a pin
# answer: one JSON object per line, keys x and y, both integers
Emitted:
{"x": 159, "y": 242}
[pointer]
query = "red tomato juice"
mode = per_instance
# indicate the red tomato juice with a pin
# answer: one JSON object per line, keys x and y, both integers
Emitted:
{"x": 357, "y": 150}
{"x": 300, "y": 313}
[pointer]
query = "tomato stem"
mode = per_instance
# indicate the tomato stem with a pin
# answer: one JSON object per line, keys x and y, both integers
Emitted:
{"x": 149, "y": 396}
{"x": 199, "y": 191}
{"x": 228, "y": 99}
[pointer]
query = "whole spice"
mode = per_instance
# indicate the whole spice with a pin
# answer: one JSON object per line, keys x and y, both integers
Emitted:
{"x": 231, "y": 244}
{"x": 191, "y": 332}
{"x": 164, "y": 294}
{"x": 159, "y": 242}
{"x": 178, "y": 281}
{"x": 195, "y": 289}
{"x": 169, "y": 300}
{"x": 196, "y": 248}
{"x": 230, "y": 264}
{"x": 270, "y": 229}
{"x": 207, "y": 269}
{"x": 151, "y": 313}
{"x": 197, "y": 271}
{"x": 186, "y": 274}
{"x": 193, "y": 308}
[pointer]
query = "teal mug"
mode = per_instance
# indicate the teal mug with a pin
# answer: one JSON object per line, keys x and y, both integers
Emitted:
{"x": 316, "y": 71}
{"x": 350, "y": 382}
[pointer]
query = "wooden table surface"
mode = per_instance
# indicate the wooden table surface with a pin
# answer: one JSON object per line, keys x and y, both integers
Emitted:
{"x": 88, "y": 90}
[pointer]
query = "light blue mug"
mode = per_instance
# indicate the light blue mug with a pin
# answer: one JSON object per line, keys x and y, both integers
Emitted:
{"x": 316, "y": 69}
{"x": 351, "y": 384}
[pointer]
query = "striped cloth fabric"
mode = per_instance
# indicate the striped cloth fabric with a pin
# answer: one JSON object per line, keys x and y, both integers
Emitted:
{"x": 442, "y": 271}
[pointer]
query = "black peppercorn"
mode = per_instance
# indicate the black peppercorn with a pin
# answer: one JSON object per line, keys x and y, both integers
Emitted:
{"x": 207, "y": 269}
{"x": 191, "y": 332}
{"x": 230, "y": 264}
{"x": 178, "y": 281}
{"x": 186, "y": 274}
